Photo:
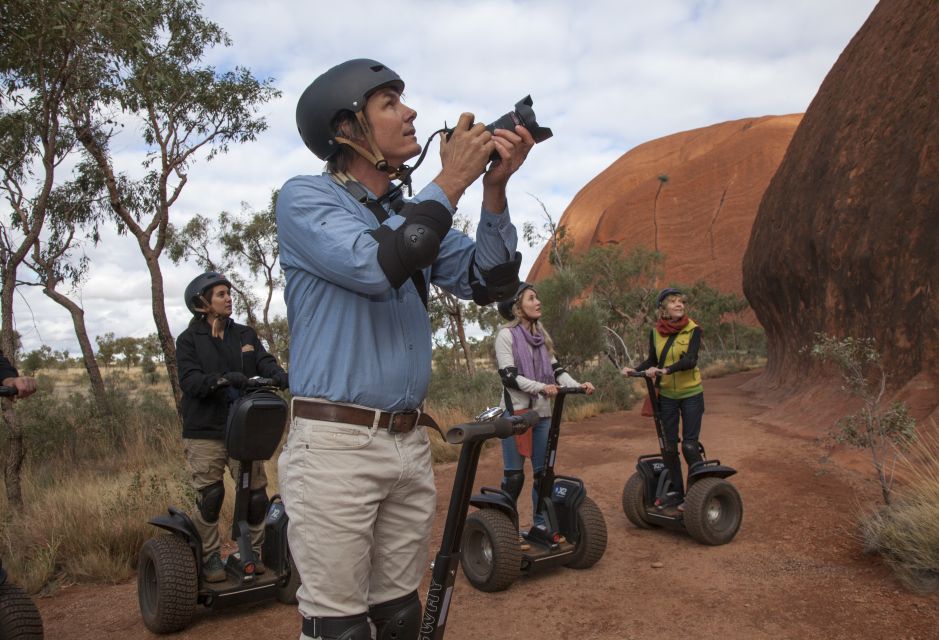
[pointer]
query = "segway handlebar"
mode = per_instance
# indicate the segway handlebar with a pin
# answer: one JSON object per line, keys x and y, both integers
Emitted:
{"x": 8, "y": 391}
{"x": 257, "y": 382}
{"x": 563, "y": 391}
{"x": 636, "y": 374}
{"x": 498, "y": 428}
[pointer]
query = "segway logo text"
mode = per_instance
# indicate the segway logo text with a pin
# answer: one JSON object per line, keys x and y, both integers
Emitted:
{"x": 430, "y": 609}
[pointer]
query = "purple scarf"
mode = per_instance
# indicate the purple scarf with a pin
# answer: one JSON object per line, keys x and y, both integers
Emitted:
{"x": 536, "y": 364}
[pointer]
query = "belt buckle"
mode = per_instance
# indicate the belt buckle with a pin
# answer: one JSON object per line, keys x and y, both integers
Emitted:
{"x": 392, "y": 420}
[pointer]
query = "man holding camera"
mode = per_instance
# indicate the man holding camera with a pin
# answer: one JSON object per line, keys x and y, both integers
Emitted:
{"x": 356, "y": 471}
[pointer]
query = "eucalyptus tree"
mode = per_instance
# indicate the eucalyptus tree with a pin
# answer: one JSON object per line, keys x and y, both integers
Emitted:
{"x": 55, "y": 263}
{"x": 250, "y": 241}
{"x": 45, "y": 49}
{"x": 150, "y": 75}
{"x": 199, "y": 240}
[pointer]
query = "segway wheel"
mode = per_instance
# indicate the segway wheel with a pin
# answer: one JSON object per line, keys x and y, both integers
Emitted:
{"x": 713, "y": 511}
{"x": 592, "y": 543}
{"x": 492, "y": 555}
{"x": 167, "y": 584}
{"x": 19, "y": 617}
{"x": 634, "y": 501}
{"x": 287, "y": 592}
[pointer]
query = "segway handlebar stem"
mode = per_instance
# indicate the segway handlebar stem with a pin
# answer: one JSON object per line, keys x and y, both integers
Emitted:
{"x": 499, "y": 428}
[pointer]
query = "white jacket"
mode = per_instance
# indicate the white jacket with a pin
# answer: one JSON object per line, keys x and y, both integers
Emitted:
{"x": 528, "y": 395}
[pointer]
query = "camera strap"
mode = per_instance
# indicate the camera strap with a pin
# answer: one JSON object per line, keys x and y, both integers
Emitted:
{"x": 396, "y": 201}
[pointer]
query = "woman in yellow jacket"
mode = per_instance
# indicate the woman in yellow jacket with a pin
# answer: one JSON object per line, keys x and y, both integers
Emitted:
{"x": 673, "y": 355}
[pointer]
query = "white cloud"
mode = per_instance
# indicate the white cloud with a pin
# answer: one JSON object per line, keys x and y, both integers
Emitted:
{"x": 605, "y": 75}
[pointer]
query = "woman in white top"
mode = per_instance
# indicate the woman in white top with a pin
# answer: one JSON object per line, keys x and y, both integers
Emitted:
{"x": 530, "y": 376}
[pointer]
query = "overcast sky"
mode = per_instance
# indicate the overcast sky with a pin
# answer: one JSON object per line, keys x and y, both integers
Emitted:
{"x": 605, "y": 75}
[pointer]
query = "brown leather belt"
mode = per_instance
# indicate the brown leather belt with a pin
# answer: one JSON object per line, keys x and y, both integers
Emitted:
{"x": 395, "y": 421}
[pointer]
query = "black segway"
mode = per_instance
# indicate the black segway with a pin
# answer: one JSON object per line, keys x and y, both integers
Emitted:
{"x": 713, "y": 509}
{"x": 170, "y": 583}
{"x": 19, "y": 617}
{"x": 471, "y": 436}
{"x": 573, "y": 533}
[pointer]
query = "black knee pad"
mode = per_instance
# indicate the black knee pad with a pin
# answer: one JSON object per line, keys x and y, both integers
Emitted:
{"x": 257, "y": 506}
{"x": 338, "y": 628}
{"x": 513, "y": 482}
{"x": 210, "y": 501}
{"x": 398, "y": 619}
{"x": 691, "y": 449}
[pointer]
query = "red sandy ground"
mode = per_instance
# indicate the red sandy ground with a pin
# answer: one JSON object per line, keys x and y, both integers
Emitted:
{"x": 795, "y": 570}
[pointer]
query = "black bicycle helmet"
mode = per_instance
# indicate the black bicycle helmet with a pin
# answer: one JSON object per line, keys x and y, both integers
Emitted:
{"x": 195, "y": 292}
{"x": 664, "y": 293}
{"x": 345, "y": 87}
{"x": 505, "y": 307}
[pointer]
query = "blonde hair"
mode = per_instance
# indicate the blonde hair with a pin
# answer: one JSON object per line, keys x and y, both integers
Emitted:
{"x": 663, "y": 311}
{"x": 536, "y": 326}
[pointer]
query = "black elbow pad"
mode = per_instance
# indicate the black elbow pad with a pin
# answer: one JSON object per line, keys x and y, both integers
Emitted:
{"x": 501, "y": 281}
{"x": 509, "y": 377}
{"x": 558, "y": 370}
{"x": 415, "y": 244}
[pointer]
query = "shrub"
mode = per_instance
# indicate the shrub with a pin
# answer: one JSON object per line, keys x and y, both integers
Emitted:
{"x": 883, "y": 432}
{"x": 906, "y": 533}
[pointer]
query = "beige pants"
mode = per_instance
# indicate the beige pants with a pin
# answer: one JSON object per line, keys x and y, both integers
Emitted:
{"x": 361, "y": 504}
{"x": 207, "y": 460}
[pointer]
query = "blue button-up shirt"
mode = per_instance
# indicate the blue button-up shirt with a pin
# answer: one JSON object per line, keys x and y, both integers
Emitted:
{"x": 353, "y": 338}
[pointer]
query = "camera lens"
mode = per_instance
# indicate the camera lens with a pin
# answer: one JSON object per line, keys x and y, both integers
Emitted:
{"x": 525, "y": 116}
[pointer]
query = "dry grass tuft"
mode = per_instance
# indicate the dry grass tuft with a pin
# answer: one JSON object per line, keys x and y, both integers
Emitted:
{"x": 906, "y": 533}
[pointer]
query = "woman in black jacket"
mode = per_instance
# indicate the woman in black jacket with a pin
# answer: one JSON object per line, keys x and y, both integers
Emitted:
{"x": 216, "y": 356}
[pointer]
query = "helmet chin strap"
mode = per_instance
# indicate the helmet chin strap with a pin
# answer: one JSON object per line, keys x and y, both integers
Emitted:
{"x": 375, "y": 157}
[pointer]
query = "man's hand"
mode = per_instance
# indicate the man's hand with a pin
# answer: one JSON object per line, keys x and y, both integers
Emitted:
{"x": 24, "y": 385}
{"x": 463, "y": 157}
{"x": 513, "y": 149}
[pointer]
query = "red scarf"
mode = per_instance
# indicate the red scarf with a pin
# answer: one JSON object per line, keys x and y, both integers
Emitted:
{"x": 670, "y": 327}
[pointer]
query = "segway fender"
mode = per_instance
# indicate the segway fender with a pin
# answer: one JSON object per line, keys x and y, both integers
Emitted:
{"x": 498, "y": 499}
{"x": 179, "y": 523}
{"x": 710, "y": 469}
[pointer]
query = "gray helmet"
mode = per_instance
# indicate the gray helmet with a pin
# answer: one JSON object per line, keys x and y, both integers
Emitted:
{"x": 664, "y": 293}
{"x": 198, "y": 287}
{"x": 505, "y": 307}
{"x": 345, "y": 87}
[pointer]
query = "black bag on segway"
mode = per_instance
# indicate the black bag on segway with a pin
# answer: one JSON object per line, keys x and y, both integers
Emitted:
{"x": 255, "y": 425}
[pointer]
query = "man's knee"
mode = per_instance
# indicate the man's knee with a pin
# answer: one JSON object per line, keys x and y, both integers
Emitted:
{"x": 210, "y": 501}
{"x": 338, "y": 628}
{"x": 257, "y": 506}
{"x": 398, "y": 619}
{"x": 512, "y": 483}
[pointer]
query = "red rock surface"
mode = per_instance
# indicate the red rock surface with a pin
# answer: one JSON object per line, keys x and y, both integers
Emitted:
{"x": 700, "y": 217}
{"x": 846, "y": 240}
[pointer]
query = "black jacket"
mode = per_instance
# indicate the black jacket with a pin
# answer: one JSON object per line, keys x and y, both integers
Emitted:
{"x": 202, "y": 360}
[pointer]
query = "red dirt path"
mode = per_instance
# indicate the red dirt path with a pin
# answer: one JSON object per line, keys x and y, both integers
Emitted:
{"x": 795, "y": 570}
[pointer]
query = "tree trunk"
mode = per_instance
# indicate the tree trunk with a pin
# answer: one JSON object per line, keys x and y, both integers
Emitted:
{"x": 88, "y": 352}
{"x": 456, "y": 320}
{"x": 159, "y": 318}
{"x": 16, "y": 453}
{"x": 15, "y": 450}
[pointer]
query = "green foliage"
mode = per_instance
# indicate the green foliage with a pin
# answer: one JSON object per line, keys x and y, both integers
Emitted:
{"x": 71, "y": 427}
{"x": 883, "y": 432}
{"x": 575, "y": 326}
